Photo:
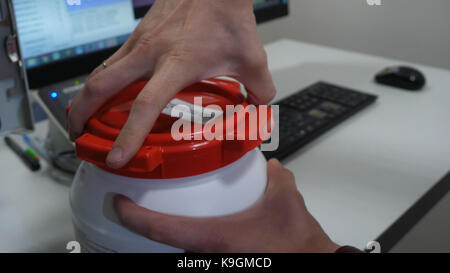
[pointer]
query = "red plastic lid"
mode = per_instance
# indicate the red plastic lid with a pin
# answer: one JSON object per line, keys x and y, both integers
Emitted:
{"x": 161, "y": 156}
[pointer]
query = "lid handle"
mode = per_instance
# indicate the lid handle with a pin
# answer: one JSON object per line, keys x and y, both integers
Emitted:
{"x": 94, "y": 149}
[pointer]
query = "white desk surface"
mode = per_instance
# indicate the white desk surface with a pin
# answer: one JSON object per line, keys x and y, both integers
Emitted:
{"x": 357, "y": 179}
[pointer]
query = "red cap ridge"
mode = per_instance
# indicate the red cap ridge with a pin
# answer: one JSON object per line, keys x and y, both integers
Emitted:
{"x": 161, "y": 156}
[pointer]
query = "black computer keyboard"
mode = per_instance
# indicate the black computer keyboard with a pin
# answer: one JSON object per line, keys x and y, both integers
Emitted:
{"x": 313, "y": 111}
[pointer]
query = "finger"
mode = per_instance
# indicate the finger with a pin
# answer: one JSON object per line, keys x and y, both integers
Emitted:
{"x": 276, "y": 171}
{"x": 100, "y": 88}
{"x": 122, "y": 52}
{"x": 278, "y": 176}
{"x": 193, "y": 234}
{"x": 281, "y": 182}
{"x": 167, "y": 81}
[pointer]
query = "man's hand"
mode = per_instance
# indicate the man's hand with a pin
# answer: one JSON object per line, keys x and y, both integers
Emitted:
{"x": 178, "y": 43}
{"x": 280, "y": 222}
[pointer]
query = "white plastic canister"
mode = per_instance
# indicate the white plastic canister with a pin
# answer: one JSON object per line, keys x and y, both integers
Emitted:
{"x": 196, "y": 178}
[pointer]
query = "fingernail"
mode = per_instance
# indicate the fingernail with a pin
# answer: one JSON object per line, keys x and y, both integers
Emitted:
{"x": 114, "y": 157}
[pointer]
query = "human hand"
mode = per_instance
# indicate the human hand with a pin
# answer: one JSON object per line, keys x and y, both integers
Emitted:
{"x": 279, "y": 222}
{"x": 178, "y": 43}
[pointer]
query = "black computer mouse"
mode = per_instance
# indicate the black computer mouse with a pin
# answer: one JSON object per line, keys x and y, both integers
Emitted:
{"x": 402, "y": 77}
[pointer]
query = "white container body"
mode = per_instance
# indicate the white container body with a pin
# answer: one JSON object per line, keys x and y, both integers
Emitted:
{"x": 228, "y": 190}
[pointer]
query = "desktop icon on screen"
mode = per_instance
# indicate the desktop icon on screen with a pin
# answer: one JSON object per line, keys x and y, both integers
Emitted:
{"x": 56, "y": 56}
{"x": 68, "y": 53}
{"x": 32, "y": 62}
{"x": 45, "y": 59}
{"x": 79, "y": 50}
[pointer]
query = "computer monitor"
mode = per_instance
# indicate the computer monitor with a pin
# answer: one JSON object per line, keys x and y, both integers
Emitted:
{"x": 63, "y": 39}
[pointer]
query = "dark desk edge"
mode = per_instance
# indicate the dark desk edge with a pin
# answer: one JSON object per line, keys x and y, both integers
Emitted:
{"x": 413, "y": 215}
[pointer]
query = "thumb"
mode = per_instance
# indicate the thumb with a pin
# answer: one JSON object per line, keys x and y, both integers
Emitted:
{"x": 193, "y": 234}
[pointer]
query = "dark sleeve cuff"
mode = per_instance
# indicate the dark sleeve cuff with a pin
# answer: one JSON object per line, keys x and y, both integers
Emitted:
{"x": 348, "y": 249}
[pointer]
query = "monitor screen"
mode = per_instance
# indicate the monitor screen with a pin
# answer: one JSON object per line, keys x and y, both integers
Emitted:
{"x": 141, "y": 6}
{"x": 53, "y": 32}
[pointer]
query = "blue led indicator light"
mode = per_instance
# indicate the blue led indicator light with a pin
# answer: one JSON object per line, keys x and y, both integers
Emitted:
{"x": 53, "y": 95}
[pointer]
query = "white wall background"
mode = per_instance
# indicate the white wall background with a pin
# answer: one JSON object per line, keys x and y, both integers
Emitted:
{"x": 413, "y": 30}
